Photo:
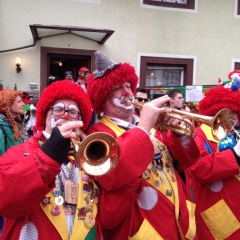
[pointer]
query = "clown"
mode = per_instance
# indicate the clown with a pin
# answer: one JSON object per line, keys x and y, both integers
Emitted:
{"x": 214, "y": 179}
{"x": 233, "y": 81}
{"x": 143, "y": 196}
{"x": 46, "y": 186}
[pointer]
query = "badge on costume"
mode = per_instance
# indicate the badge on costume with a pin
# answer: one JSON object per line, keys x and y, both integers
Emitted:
{"x": 89, "y": 220}
{"x": 71, "y": 192}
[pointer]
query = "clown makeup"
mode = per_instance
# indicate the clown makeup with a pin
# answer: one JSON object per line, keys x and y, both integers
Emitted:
{"x": 122, "y": 96}
{"x": 61, "y": 114}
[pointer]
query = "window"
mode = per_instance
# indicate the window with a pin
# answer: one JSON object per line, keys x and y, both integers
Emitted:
{"x": 165, "y": 71}
{"x": 181, "y": 4}
{"x": 164, "y": 76}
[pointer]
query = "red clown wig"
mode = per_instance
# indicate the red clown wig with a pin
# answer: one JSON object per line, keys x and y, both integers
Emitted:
{"x": 107, "y": 76}
{"x": 64, "y": 89}
{"x": 218, "y": 98}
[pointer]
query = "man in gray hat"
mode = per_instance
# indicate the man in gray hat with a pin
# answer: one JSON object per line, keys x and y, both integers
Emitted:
{"x": 143, "y": 196}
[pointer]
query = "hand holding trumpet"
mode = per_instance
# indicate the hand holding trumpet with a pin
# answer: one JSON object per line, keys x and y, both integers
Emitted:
{"x": 151, "y": 111}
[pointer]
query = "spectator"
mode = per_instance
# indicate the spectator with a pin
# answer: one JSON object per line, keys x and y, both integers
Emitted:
{"x": 84, "y": 74}
{"x": 139, "y": 99}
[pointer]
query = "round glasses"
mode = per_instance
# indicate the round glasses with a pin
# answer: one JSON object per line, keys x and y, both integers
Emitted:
{"x": 58, "y": 112}
{"x": 142, "y": 99}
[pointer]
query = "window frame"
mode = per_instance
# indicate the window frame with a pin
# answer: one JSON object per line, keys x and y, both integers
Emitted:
{"x": 188, "y": 62}
{"x": 189, "y": 6}
{"x": 237, "y": 2}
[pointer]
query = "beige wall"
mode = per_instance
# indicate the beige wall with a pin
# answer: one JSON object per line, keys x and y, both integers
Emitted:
{"x": 210, "y": 34}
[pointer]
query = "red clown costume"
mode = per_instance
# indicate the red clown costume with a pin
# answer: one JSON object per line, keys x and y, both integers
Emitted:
{"x": 29, "y": 192}
{"x": 214, "y": 179}
{"x": 139, "y": 198}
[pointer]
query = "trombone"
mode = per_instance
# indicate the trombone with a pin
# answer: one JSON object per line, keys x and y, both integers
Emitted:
{"x": 97, "y": 154}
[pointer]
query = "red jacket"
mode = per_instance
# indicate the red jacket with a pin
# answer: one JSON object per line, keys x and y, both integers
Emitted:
{"x": 129, "y": 202}
{"x": 214, "y": 182}
{"x": 27, "y": 175}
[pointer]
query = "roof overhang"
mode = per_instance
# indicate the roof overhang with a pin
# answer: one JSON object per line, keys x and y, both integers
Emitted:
{"x": 99, "y": 35}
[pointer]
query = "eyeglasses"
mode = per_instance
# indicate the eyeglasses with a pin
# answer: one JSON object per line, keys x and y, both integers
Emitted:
{"x": 142, "y": 99}
{"x": 58, "y": 112}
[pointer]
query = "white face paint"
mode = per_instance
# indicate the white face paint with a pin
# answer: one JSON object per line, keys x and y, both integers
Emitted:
{"x": 53, "y": 122}
{"x": 62, "y": 104}
{"x": 69, "y": 107}
{"x": 125, "y": 102}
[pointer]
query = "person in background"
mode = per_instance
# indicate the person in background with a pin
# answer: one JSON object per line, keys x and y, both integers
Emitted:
{"x": 143, "y": 197}
{"x": 139, "y": 99}
{"x": 49, "y": 197}
{"x": 52, "y": 79}
{"x": 11, "y": 128}
{"x": 30, "y": 124}
{"x": 11, "y": 107}
{"x": 69, "y": 76}
{"x": 84, "y": 74}
{"x": 214, "y": 179}
{"x": 176, "y": 99}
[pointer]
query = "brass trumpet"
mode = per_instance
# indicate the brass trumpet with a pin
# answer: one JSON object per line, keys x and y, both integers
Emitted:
{"x": 97, "y": 154}
{"x": 220, "y": 124}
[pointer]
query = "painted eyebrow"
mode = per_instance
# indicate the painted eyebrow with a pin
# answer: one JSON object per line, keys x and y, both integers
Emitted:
{"x": 60, "y": 105}
{"x": 69, "y": 107}
{"x": 73, "y": 107}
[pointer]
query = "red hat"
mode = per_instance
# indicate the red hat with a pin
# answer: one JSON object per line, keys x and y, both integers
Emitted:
{"x": 64, "y": 89}
{"x": 218, "y": 98}
{"x": 82, "y": 71}
{"x": 108, "y": 75}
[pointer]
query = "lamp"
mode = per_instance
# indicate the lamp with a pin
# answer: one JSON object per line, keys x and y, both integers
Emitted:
{"x": 18, "y": 61}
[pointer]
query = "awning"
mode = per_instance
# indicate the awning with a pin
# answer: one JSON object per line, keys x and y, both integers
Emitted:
{"x": 40, "y": 31}
{"x": 96, "y": 34}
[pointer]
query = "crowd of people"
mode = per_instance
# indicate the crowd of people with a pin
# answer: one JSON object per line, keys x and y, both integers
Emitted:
{"x": 165, "y": 185}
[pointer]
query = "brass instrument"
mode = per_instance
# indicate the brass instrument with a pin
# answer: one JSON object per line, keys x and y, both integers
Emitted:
{"x": 97, "y": 154}
{"x": 220, "y": 124}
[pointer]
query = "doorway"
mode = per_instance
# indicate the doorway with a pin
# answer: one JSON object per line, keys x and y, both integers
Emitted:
{"x": 55, "y": 61}
{"x": 59, "y": 64}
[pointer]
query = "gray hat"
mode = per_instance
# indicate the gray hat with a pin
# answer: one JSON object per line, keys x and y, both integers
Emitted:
{"x": 103, "y": 64}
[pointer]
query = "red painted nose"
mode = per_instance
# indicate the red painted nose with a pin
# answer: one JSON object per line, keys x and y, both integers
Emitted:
{"x": 65, "y": 116}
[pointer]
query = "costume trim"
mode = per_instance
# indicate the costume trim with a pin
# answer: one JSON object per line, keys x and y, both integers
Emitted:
{"x": 79, "y": 231}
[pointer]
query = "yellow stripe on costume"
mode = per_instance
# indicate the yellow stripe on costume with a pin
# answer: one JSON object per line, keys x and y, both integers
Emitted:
{"x": 146, "y": 231}
{"x": 208, "y": 132}
{"x": 59, "y": 221}
{"x": 192, "y": 222}
{"x": 108, "y": 122}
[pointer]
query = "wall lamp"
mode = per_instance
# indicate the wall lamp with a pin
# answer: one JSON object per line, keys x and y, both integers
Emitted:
{"x": 18, "y": 61}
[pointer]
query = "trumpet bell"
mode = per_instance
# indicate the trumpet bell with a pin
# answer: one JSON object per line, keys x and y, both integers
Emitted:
{"x": 97, "y": 154}
{"x": 222, "y": 124}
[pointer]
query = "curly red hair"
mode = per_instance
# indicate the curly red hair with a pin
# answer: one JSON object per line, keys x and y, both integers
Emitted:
{"x": 218, "y": 98}
{"x": 64, "y": 89}
{"x": 100, "y": 88}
